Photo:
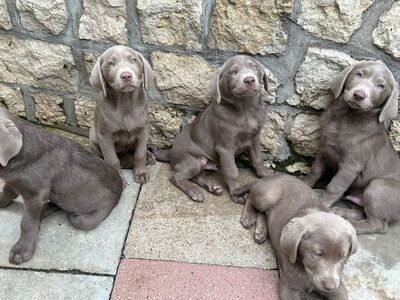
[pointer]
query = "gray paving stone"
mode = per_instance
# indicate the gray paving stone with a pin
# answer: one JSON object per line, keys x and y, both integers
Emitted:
{"x": 62, "y": 247}
{"x": 23, "y": 285}
{"x": 167, "y": 225}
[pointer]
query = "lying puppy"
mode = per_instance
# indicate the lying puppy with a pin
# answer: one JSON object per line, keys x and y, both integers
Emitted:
{"x": 45, "y": 168}
{"x": 120, "y": 122}
{"x": 226, "y": 128}
{"x": 354, "y": 143}
{"x": 311, "y": 245}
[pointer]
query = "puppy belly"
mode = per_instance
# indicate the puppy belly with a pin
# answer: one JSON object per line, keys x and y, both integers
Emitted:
{"x": 356, "y": 199}
{"x": 208, "y": 164}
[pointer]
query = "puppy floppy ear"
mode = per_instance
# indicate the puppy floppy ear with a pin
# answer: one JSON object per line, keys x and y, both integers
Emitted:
{"x": 11, "y": 140}
{"x": 389, "y": 110}
{"x": 148, "y": 74}
{"x": 264, "y": 76}
{"x": 291, "y": 235}
{"x": 213, "y": 86}
{"x": 96, "y": 78}
{"x": 337, "y": 84}
{"x": 352, "y": 236}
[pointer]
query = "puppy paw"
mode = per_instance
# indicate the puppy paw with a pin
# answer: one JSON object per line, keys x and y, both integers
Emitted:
{"x": 260, "y": 235}
{"x": 214, "y": 188}
{"x": 20, "y": 254}
{"x": 238, "y": 199}
{"x": 248, "y": 221}
{"x": 196, "y": 195}
{"x": 4, "y": 201}
{"x": 141, "y": 176}
{"x": 150, "y": 158}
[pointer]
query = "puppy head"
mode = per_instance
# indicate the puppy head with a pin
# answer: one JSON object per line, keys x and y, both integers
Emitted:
{"x": 368, "y": 85}
{"x": 240, "y": 76}
{"x": 122, "y": 69}
{"x": 10, "y": 137}
{"x": 321, "y": 242}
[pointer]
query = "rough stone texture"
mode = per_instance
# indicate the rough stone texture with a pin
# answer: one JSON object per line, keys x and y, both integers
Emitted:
{"x": 164, "y": 124}
{"x": 84, "y": 110}
{"x": 104, "y": 20}
{"x": 43, "y": 15}
{"x": 49, "y": 109}
{"x": 12, "y": 100}
{"x": 250, "y": 26}
{"x": 171, "y": 22}
{"x": 5, "y": 22}
{"x": 304, "y": 134}
{"x": 395, "y": 134}
{"x": 167, "y": 225}
{"x": 37, "y": 63}
{"x": 62, "y": 247}
{"x": 145, "y": 279}
{"x": 182, "y": 79}
{"x": 22, "y": 285}
{"x": 90, "y": 60}
{"x": 300, "y": 166}
{"x": 334, "y": 20}
{"x": 272, "y": 132}
{"x": 387, "y": 34}
{"x": 317, "y": 69}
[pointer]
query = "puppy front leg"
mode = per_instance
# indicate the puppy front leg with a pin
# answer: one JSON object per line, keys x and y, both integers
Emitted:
{"x": 23, "y": 250}
{"x": 286, "y": 292}
{"x": 139, "y": 159}
{"x": 107, "y": 148}
{"x": 256, "y": 158}
{"x": 339, "y": 184}
{"x": 230, "y": 172}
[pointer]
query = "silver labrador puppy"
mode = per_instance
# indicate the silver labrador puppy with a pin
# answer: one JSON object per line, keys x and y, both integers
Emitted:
{"x": 355, "y": 144}
{"x": 120, "y": 122}
{"x": 226, "y": 128}
{"x": 311, "y": 244}
{"x": 45, "y": 169}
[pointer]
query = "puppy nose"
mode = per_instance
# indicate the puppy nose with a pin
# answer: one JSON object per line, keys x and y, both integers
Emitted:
{"x": 126, "y": 76}
{"x": 329, "y": 284}
{"x": 249, "y": 80}
{"x": 359, "y": 95}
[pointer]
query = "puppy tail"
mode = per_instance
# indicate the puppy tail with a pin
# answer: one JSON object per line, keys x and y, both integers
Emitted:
{"x": 75, "y": 130}
{"x": 242, "y": 190}
{"x": 162, "y": 155}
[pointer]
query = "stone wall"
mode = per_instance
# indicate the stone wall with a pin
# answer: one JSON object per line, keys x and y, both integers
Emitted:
{"x": 48, "y": 48}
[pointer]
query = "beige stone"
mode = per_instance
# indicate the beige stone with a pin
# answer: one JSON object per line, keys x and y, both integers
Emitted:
{"x": 171, "y": 22}
{"x": 49, "y": 109}
{"x": 90, "y": 60}
{"x": 299, "y": 166}
{"x": 104, "y": 20}
{"x": 394, "y": 134}
{"x": 314, "y": 74}
{"x": 5, "y": 22}
{"x": 12, "y": 100}
{"x": 272, "y": 132}
{"x": 334, "y": 20}
{"x": 37, "y": 63}
{"x": 84, "y": 111}
{"x": 250, "y": 26}
{"x": 164, "y": 124}
{"x": 387, "y": 34}
{"x": 43, "y": 15}
{"x": 304, "y": 134}
{"x": 182, "y": 79}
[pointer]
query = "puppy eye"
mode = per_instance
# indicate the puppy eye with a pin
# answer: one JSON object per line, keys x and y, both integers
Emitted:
{"x": 234, "y": 71}
{"x": 133, "y": 59}
{"x": 381, "y": 86}
{"x": 253, "y": 66}
{"x": 111, "y": 63}
{"x": 359, "y": 74}
{"x": 318, "y": 254}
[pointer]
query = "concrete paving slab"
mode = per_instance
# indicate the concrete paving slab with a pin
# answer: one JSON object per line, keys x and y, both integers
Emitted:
{"x": 62, "y": 247}
{"x": 144, "y": 279}
{"x": 167, "y": 225}
{"x": 23, "y": 285}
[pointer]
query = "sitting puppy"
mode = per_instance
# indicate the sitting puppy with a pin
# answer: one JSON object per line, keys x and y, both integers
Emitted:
{"x": 354, "y": 143}
{"x": 120, "y": 122}
{"x": 226, "y": 128}
{"x": 311, "y": 245}
{"x": 45, "y": 168}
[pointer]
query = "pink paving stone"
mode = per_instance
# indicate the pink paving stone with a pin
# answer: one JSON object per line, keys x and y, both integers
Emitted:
{"x": 149, "y": 279}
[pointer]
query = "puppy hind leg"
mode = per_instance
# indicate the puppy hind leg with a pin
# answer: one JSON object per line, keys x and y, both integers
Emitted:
{"x": 207, "y": 183}
{"x": 92, "y": 219}
{"x": 354, "y": 214}
{"x": 261, "y": 232}
{"x": 7, "y": 196}
{"x": 183, "y": 172}
{"x": 249, "y": 215}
